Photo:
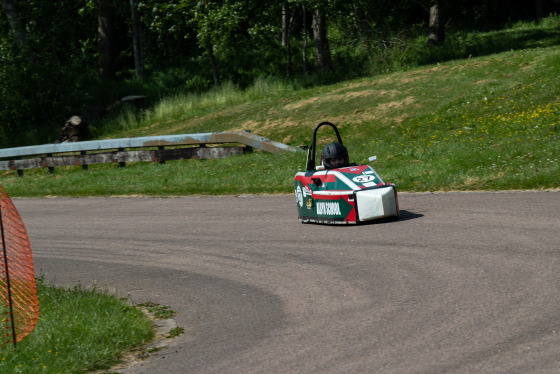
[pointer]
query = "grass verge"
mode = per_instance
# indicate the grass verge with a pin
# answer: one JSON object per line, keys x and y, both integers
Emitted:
{"x": 79, "y": 330}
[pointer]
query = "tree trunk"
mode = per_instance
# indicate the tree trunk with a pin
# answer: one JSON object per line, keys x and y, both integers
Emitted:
{"x": 136, "y": 40}
{"x": 105, "y": 43}
{"x": 214, "y": 67}
{"x": 15, "y": 24}
{"x": 321, "y": 40}
{"x": 540, "y": 5}
{"x": 304, "y": 51}
{"x": 437, "y": 31}
{"x": 287, "y": 22}
{"x": 285, "y": 25}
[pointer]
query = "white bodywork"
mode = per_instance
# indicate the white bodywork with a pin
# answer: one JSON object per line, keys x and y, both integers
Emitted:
{"x": 376, "y": 203}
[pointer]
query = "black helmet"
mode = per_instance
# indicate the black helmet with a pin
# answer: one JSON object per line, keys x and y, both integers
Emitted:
{"x": 335, "y": 151}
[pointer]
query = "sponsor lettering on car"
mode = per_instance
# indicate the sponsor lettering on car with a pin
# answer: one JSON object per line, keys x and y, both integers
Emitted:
{"x": 328, "y": 208}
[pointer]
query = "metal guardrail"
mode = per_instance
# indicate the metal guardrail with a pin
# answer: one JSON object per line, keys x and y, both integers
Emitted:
{"x": 126, "y": 150}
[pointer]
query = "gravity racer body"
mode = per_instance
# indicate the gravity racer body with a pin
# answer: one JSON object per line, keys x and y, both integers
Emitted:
{"x": 342, "y": 195}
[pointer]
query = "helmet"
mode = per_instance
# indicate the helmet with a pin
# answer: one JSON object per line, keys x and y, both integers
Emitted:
{"x": 335, "y": 155}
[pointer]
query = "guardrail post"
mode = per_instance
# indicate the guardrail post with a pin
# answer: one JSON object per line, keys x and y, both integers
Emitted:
{"x": 248, "y": 148}
{"x": 51, "y": 168}
{"x": 122, "y": 164}
{"x": 84, "y": 165}
{"x": 161, "y": 148}
{"x": 19, "y": 171}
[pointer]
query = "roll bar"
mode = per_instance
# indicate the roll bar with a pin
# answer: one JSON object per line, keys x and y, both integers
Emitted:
{"x": 312, "y": 149}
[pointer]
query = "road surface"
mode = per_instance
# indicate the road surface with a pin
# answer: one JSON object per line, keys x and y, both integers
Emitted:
{"x": 462, "y": 283}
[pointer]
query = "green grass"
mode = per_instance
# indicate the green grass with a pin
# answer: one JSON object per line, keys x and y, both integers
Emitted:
{"x": 79, "y": 330}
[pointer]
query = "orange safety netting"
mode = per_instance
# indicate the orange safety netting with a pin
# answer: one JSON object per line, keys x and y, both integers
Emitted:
{"x": 19, "y": 306}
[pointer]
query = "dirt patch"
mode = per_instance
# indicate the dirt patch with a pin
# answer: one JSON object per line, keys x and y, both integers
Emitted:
{"x": 397, "y": 104}
{"x": 478, "y": 64}
{"x": 471, "y": 181}
{"x": 263, "y": 128}
{"x": 360, "y": 94}
{"x": 412, "y": 79}
{"x": 288, "y": 139}
{"x": 345, "y": 97}
{"x": 353, "y": 86}
{"x": 356, "y": 117}
{"x": 248, "y": 125}
{"x": 400, "y": 119}
{"x": 438, "y": 68}
{"x": 301, "y": 104}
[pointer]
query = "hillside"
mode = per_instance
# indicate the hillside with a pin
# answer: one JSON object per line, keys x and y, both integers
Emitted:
{"x": 487, "y": 123}
{"x": 511, "y": 82}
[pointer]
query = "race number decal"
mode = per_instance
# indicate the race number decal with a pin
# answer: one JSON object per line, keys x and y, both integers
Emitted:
{"x": 363, "y": 178}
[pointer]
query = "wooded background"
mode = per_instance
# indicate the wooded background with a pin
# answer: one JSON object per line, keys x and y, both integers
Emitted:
{"x": 61, "y": 58}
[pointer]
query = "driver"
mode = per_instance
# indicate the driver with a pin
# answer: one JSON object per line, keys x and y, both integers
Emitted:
{"x": 334, "y": 156}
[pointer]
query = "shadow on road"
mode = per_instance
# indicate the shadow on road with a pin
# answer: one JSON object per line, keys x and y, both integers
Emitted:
{"x": 406, "y": 215}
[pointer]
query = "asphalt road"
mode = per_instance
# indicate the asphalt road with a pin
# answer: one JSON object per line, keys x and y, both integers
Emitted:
{"x": 462, "y": 283}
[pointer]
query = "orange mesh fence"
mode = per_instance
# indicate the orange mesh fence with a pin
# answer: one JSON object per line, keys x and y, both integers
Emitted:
{"x": 19, "y": 306}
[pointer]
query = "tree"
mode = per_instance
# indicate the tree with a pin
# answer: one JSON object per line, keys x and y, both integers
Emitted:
{"x": 320, "y": 37}
{"x": 105, "y": 43}
{"x": 436, "y": 27}
{"x": 291, "y": 11}
{"x": 287, "y": 22}
{"x": 136, "y": 40}
{"x": 15, "y": 24}
{"x": 304, "y": 36}
{"x": 45, "y": 69}
{"x": 217, "y": 25}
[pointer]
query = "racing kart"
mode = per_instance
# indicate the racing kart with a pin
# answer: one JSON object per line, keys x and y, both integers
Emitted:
{"x": 345, "y": 195}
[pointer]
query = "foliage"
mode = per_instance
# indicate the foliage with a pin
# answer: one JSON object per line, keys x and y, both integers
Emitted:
{"x": 39, "y": 82}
